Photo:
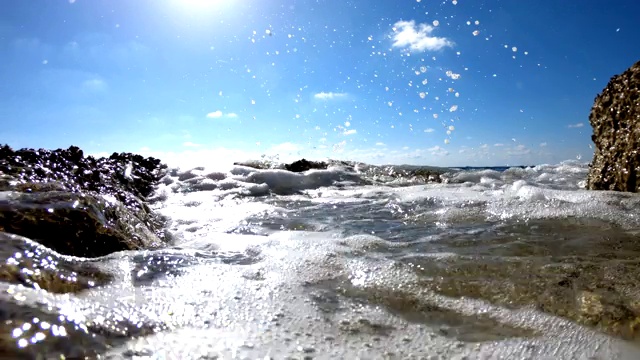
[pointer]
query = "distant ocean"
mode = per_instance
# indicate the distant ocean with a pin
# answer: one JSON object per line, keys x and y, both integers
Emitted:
{"x": 353, "y": 262}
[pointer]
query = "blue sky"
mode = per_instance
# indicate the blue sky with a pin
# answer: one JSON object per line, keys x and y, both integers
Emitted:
{"x": 449, "y": 83}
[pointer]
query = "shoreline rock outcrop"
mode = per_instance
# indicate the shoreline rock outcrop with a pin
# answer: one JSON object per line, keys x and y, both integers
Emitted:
{"x": 615, "y": 119}
{"x": 77, "y": 205}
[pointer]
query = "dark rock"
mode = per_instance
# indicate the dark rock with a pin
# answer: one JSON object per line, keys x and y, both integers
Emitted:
{"x": 32, "y": 265}
{"x": 79, "y": 205}
{"x": 262, "y": 164}
{"x": 77, "y": 224}
{"x": 615, "y": 118}
{"x": 304, "y": 165}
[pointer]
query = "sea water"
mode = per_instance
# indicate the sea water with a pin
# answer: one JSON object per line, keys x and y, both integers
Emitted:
{"x": 351, "y": 262}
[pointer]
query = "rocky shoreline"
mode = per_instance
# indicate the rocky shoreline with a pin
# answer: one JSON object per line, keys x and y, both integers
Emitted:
{"x": 82, "y": 206}
{"x": 61, "y": 212}
{"x": 77, "y": 205}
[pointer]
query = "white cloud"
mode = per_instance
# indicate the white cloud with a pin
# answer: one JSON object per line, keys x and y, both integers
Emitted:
{"x": 349, "y": 132}
{"x": 380, "y": 144}
{"x": 543, "y": 144}
{"x": 406, "y": 34}
{"x": 518, "y": 150}
{"x": 94, "y": 85}
{"x": 218, "y": 114}
{"x": 573, "y": 126}
{"x": 190, "y": 144}
{"x": 286, "y": 147}
{"x": 215, "y": 114}
{"x": 437, "y": 151}
{"x": 429, "y": 130}
{"x": 329, "y": 95}
{"x": 498, "y": 145}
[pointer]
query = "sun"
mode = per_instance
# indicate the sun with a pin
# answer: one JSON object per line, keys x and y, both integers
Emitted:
{"x": 199, "y": 4}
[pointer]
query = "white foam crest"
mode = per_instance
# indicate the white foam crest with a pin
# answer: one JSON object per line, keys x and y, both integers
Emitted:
{"x": 474, "y": 176}
{"x": 198, "y": 214}
{"x": 567, "y": 175}
{"x": 285, "y": 182}
{"x": 524, "y": 201}
{"x": 258, "y": 182}
{"x": 519, "y": 199}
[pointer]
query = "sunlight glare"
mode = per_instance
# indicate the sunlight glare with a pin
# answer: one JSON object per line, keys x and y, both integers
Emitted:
{"x": 199, "y": 4}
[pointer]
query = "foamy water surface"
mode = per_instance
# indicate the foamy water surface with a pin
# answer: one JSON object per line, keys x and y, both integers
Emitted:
{"x": 348, "y": 263}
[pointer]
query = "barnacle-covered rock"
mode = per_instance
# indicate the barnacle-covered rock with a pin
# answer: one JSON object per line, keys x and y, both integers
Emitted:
{"x": 615, "y": 118}
{"x": 79, "y": 205}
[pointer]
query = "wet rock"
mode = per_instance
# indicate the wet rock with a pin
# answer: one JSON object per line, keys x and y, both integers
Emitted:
{"x": 39, "y": 325}
{"x": 262, "y": 164}
{"x": 409, "y": 173}
{"x": 79, "y": 205}
{"x": 587, "y": 277}
{"x": 423, "y": 174}
{"x": 78, "y": 224}
{"x": 123, "y": 175}
{"x": 615, "y": 118}
{"x": 27, "y": 263}
{"x": 304, "y": 165}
